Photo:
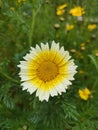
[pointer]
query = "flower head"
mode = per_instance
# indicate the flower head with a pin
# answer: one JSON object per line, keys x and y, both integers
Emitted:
{"x": 77, "y": 11}
{"x": 91, "y": 27}
{"x": 48, "y": 71}
{"x": 56, "y": 26}
{"x": 81, "y": 72}
{"x": 96, "y": 52}
{"x": 12, "y": 8}
{"x": 19, "y": 1}
{"x": 61, "y": 9}
{"x": 69, "y": 27}
{"x": 62, "y": 19}
{"x": 84, "y": 94}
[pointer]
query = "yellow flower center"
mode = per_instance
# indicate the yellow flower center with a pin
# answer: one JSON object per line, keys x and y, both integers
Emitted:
{"x": 47, "y": 71}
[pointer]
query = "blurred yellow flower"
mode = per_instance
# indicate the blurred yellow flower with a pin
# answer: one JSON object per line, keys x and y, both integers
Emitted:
{"x": 81, "y": 72}
{"x": 91, "y": 27}
{"x": 96, "y": 52}
{"x": 84, "y": 93}
{"x": 60, "y": 12}
{"x": 62, "y": 6}
{"x": 82, "y": 44}
{"x": 88, "y": 41}
{"x": 69, "y": 27}
{"x": 61, "y": 9}
{"x": 79, "y": 54}
{"x": 12, "y": 8}
{"x": 82, "y": 48}
{"x": 77, "y": 11}
{"x": 19, "y": 1}
{"x": 0, "y": 3}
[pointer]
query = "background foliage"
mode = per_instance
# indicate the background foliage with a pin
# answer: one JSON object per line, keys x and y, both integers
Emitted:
{"x": 25, "y": 23}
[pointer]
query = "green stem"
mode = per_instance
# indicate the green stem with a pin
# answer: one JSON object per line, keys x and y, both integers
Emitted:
{"x": 9, "y": 78}
{"x": 94, "y": 61}
{"x": 34, "y": 13}
{"x": 32, "y": 27}
{"x": 95, "y": 83}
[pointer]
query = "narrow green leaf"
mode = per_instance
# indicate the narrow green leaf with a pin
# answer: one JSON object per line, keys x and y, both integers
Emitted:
{"x": 94, "y": 61}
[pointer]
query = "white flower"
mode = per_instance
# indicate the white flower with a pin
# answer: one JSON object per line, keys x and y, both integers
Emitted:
{"x": 48, "y": 71}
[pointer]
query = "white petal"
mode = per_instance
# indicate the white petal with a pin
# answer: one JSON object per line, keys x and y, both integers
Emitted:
{"x": 29, "y": 86}
{"x": 60, "y": 88}
{"x": 25, "y": 77}
{"x": 55, "y": 46}
{"x": 42, "y": 46}
{"x": 45, "y": 46}
{"x": 31, "y": 90}
{"x": 43, "y": 95}
{"x": 61, "y": 51}
{"x": 27, "y": 57}
{"x": 23, "y": 71}
{"x": 70, "y": 77}
{"x": 53, "y": 92}
{"x": 67, "y": 57}
{"x": 37, "y": 92}
{"x": 23, "y": 65}
{"x": 31, "y": 55}
{"x": 38, "y": 49}
{"x": 66, "y": 82}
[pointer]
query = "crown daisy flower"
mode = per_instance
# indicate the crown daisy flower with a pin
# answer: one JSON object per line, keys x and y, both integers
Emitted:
{"x": 47, "y": 70}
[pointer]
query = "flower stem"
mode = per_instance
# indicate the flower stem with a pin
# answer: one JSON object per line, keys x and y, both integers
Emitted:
{"x": 32, "y": 27}
{"x": 34, "y": 13}
{"x": 95, "y": 83}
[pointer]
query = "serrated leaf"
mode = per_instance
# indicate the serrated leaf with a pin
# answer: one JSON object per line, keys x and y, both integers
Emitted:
{"x": 8, "y": 102}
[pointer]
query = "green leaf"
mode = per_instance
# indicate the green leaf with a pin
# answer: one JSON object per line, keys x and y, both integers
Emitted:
{"x": 8, "y": 102}
{"x": 94, "y": 61}
{"x": 70, "y": 111}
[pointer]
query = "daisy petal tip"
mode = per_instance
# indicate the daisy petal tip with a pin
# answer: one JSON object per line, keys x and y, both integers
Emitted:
{"x": 18, "y": 66}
